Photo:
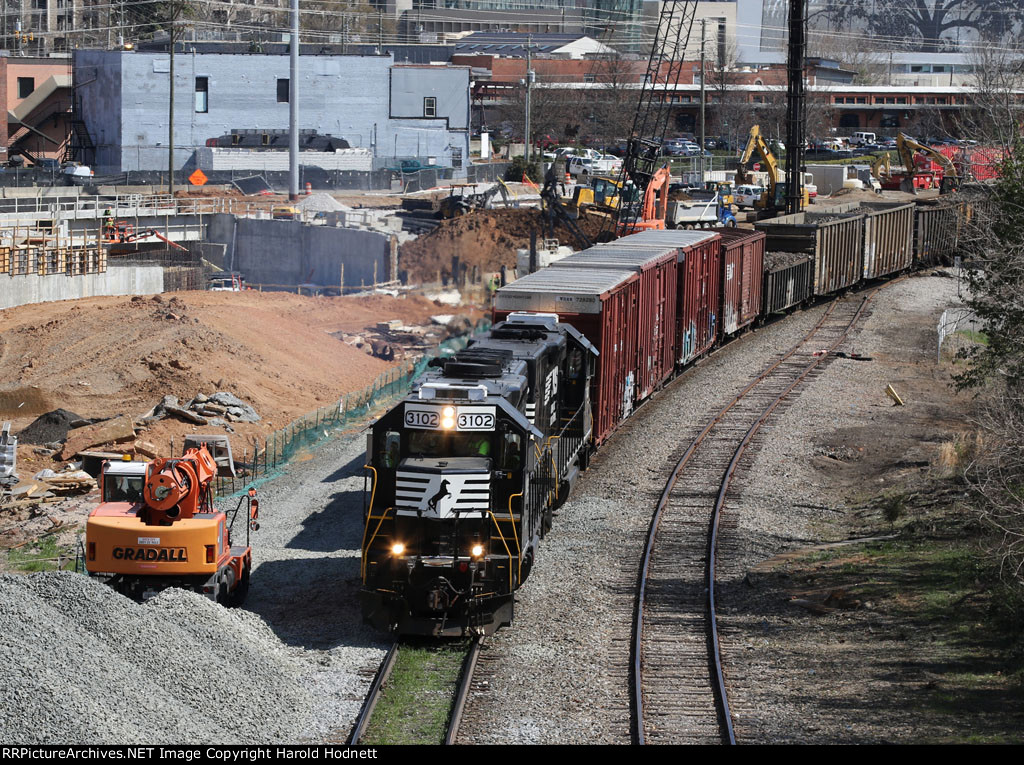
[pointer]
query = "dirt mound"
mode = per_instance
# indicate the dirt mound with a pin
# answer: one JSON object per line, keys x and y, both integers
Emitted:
{"x": 48, "y": 427}
{"x": 102, "y": 356}
{"x": 487, "y": 239}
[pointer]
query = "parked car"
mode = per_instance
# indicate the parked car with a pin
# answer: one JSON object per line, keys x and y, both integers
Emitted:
{"x": 46, "y": 163}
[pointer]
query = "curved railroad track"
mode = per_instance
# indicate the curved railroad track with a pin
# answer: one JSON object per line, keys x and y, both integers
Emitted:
{"x": 678, "y": 682}
{"x": 380, "y": 685}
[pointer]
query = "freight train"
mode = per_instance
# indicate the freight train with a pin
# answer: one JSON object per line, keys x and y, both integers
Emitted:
{"x": 466, "y": 472}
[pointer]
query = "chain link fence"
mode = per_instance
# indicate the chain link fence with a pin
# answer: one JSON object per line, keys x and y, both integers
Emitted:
{"x": 259, "y": 462}
{"x": 955, "y": 320}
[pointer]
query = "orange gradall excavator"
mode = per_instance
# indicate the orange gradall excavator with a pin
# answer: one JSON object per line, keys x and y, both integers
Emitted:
{"x": 156, "y": 527}
{"x": 654, "y": 206}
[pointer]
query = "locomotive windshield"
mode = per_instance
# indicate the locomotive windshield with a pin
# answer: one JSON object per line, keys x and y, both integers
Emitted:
{"x": 437, "y": 443}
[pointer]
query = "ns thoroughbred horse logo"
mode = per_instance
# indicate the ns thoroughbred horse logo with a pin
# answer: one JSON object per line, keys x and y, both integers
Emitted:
{"x": 441, "y": 494}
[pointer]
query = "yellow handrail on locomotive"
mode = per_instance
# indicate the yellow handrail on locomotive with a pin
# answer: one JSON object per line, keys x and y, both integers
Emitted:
{"x": 370, "y": 516}
{"x": 504, "y": 542}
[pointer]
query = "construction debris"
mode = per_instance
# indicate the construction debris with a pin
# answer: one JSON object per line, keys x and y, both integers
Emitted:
{"x": 115, "y": 430}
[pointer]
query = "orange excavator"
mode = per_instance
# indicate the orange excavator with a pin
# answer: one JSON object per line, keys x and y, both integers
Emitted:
{"x": 156, "y": 527}
{"x": 653, "y": 208}
{"x": 123, "y": 232}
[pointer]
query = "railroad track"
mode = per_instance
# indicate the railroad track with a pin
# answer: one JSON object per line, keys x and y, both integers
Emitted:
{"x": 678, "y": 682}
{"x": 368, "y": 730}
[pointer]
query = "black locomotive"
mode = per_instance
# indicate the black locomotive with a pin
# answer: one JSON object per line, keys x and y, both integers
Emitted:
{"x": 466, "y": 472}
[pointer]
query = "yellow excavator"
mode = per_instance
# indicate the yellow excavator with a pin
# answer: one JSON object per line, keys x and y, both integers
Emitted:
{"x": 774, "y": 199}
{"x": 907, "y": 147}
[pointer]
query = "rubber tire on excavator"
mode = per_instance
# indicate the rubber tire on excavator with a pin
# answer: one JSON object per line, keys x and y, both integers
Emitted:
{"x": 241, "y": 591}
{"x": 223, "y": 594}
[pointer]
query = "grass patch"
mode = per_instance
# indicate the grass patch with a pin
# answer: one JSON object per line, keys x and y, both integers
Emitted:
{"x": 952, "y": 657}
{"x": 417, "y": 699}
{"x": 975, "y": 337}
{"x": 35, "y": 556}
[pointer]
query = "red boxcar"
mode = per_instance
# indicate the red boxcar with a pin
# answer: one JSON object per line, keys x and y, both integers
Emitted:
{"x": 603, "y": 304}
{"x": 742, "y": 277}
{"x": 698, "y": 258}
{"x": 656, "y": 265}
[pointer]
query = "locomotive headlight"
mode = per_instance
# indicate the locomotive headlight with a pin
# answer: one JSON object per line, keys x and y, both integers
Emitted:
{"x": 477, "y": 551}
{"x": 448, "y": 417}
{"x": 397, "y": 548}
{"x": 447, "y": 423}
{"x": 448, "y": 412}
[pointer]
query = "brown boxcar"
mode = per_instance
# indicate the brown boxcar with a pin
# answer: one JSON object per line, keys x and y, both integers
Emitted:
{"x": 656, "y": 321}
{"x": 834, "y": 241}
{"x": 788, "y": 281}
{"x": 699, "y": 261}
{"x": 603, "y": 304}
{"x": 742, "y": 278}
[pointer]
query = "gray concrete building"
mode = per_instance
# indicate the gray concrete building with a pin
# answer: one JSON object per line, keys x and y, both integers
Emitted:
{"x": 395, "y": 111}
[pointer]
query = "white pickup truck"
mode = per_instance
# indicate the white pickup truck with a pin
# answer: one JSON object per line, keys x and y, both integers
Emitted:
{"x": 584, "y": 166}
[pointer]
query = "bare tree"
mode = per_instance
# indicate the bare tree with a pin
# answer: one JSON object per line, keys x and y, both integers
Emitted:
{"x": 995, "y": 114}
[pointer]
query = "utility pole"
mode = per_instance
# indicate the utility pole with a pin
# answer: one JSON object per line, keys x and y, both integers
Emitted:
{"x": 293, "y": 107}
{"x": 170, "y": 116}
{"x": 529, "y": 83}
{"x": 703, "y": 28}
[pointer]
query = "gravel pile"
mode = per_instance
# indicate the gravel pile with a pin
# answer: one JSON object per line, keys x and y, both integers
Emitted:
{"x": 321, "y": 203}
{"x": 776, "y": 260}
{"x": 82, "y": 664}
{"x": 49, "y": 427}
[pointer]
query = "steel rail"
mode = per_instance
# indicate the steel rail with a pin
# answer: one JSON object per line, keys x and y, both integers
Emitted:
{"x": 466, "y": 680}
{"x": 383, "y": 673}
{"x": 638, "y": 631}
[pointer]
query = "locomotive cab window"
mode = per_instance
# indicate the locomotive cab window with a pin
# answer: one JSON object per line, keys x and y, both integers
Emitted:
{"x": 391, "y": 453}
{"x": 511, "y": 446}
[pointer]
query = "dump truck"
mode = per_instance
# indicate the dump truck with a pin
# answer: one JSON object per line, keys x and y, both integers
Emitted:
{"x": 703, "y": 212}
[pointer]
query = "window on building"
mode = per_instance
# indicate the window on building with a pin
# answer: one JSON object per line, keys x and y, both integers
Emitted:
{"x": 456, "y": 157}
{"x": 282, "y": 91}
{"x": 590, "y": 77}
{"x": 862, "y": 99}
{"x": 25, "y": 86}
{"x": 430, "y": 106}
{"x": 202, "y": 95}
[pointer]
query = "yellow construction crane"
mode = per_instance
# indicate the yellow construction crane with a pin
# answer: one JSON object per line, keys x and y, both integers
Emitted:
{"x": 774, "y": 199}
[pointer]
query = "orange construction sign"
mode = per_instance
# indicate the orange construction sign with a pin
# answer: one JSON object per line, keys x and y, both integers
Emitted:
{"x": 198, "y": 178}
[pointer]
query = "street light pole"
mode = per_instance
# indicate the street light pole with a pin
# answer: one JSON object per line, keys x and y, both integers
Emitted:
{"x": 170, "y": 116}
{"x": 529, "y": 83}
{"x": 293, "y": 108}
{"x": 703, "y": 28}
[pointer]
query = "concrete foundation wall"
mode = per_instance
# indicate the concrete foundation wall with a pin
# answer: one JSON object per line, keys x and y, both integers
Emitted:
{"x": 130, "y": 280}
{"x": 289, "y": 253}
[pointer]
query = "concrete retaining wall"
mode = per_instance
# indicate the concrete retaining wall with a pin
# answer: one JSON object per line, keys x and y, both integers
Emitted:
{"x": 129, "y": 280}
{"x": 289, "y": 253}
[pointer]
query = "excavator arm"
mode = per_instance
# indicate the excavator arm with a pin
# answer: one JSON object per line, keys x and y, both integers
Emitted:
{"x": 906, "y": 146}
